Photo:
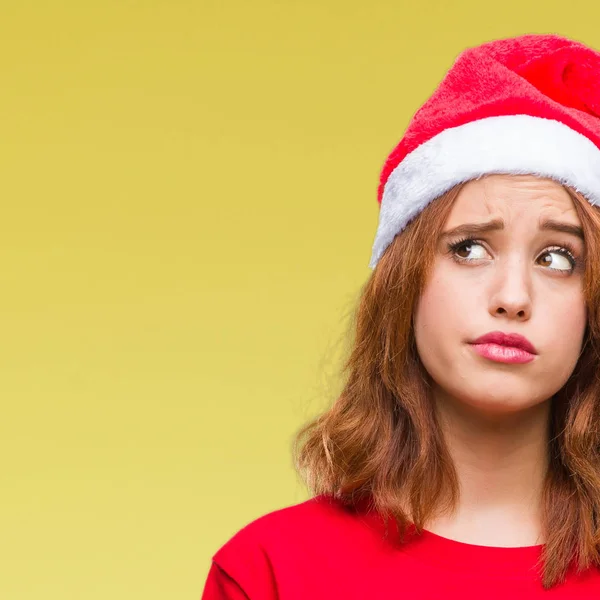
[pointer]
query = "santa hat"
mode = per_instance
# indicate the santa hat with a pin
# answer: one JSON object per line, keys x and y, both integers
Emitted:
{"x": 522, "y": 105}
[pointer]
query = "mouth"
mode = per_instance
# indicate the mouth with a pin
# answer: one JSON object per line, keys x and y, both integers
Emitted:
{"x": 505, "y": 347}
{"x": 503, "y": 354}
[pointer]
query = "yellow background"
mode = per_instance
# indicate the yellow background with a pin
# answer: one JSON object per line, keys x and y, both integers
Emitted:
{"x": 188, "y": 206}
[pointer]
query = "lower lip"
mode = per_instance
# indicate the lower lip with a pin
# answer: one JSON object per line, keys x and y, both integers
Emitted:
{"x": 503, "y": 354}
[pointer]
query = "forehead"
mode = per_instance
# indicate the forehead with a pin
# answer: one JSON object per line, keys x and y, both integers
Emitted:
{"x": 513, "y": 198}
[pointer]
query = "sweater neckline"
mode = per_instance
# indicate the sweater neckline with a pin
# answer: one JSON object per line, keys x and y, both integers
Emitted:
{"x": 471, "y": 559}
{"x": 474, "y": 559}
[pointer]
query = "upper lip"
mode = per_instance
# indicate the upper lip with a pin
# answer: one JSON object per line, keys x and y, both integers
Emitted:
{"x": 514, "y": 340}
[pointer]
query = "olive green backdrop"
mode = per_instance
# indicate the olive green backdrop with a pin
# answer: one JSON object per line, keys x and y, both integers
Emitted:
{"x": 188, "y": 206}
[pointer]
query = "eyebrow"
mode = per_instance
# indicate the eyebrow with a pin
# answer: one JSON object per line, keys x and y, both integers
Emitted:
{"x": 552, "y": 225}
{"x": 498, "y": 225}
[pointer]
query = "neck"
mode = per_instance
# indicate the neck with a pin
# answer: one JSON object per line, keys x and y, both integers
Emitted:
{"x": 501, "y": 462}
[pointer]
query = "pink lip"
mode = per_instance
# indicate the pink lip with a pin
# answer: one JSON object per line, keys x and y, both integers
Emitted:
{"x": 505, "y": 347}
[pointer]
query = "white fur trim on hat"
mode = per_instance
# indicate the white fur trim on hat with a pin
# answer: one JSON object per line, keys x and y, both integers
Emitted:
{"x": 517, "y": 144}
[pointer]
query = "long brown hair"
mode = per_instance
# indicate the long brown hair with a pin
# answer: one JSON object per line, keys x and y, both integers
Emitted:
{"x": 380, "y": 438}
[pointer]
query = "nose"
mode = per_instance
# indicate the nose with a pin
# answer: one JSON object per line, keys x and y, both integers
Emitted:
{"x": 510, "y": 295}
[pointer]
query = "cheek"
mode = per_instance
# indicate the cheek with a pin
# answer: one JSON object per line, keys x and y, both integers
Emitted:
{"x": 440, "y": 316}
{"x": 564, "y": 327}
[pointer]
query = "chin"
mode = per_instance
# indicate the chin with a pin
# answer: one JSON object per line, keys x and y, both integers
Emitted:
{"x": 500, "y": 405}
{"x": 497, "y": 397}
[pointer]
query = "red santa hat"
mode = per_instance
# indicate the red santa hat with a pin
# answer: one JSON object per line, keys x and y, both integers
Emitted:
{"x": 522, "y": 105}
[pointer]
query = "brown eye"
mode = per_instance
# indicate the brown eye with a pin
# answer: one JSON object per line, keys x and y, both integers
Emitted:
{"x": 464, "y": 250}
{"x": 545, "y": 260}
{"x": 557, "y": 260}
{"x": 468, "y": 250}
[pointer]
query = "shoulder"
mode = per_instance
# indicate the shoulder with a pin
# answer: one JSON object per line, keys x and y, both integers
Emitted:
{"x": 287, "y": 525}
{"x": 275, "y": 548}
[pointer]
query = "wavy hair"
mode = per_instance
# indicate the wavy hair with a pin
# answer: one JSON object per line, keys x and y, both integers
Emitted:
{"x": 380, "y": 439}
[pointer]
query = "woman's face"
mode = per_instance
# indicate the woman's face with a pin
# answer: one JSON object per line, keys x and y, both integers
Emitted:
{"x": 521, "y": 276}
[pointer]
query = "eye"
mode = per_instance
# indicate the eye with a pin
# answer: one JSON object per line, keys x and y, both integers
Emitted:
{"x": 557, "y": 259}
{"x": 467, "y": 250}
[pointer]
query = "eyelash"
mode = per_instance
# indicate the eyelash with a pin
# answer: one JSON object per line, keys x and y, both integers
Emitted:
{"x": 566, "y": 249}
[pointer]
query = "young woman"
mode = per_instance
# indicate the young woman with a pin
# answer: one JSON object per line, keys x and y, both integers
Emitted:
{"x": 462, "y": 458}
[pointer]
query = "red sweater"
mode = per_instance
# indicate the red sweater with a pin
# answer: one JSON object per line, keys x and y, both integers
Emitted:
{"x": 318, "y": 550}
